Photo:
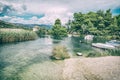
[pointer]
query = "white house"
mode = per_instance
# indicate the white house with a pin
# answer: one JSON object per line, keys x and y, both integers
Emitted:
{"x": 89, "y": 37}
{"x": 36, "y": 28}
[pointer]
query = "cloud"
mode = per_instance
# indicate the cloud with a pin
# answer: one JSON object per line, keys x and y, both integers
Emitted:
{"x": 46, "y": 11}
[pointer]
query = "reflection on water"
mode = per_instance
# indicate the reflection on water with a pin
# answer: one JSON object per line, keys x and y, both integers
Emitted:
{"x": 16, "y": 57}
{"x": 13, "y": 57}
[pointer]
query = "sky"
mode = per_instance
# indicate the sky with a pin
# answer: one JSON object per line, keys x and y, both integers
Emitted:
{"x": 47, "y": 11}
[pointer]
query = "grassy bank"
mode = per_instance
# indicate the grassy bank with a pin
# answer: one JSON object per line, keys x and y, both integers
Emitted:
{"x": 16, "y": 35}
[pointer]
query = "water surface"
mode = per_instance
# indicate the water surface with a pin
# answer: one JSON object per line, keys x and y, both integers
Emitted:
{"x": 22, "y": 59}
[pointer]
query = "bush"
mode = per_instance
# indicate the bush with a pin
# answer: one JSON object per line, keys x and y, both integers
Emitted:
{"x": 60, "y": 53}
{"x": 41, "y": 32}
{"x": 114, "y": 52}
{"x": 96, "y": 54}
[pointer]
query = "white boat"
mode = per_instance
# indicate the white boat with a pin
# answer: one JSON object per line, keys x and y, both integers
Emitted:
{"x": 103, "y": 46}
{"x": 114, "y": 43}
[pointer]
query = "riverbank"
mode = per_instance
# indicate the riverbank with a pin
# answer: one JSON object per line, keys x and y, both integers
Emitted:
{"x": 102, "y": 68}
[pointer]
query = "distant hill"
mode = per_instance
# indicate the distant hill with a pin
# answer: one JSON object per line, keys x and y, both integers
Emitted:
{"x": 4, "y": 24}
{"x": 32, "y": 25}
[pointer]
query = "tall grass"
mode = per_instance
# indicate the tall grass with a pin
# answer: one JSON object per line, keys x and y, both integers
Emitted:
{"x": 60, "y": 52}
{"x": 115, "y": 52}
{"x": 16, "y": 35}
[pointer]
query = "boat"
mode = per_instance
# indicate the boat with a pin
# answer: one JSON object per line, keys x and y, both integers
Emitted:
{"x": 103, "y": 46}
{"x": 79, "y": 54}
{"x": 114, "y": 43}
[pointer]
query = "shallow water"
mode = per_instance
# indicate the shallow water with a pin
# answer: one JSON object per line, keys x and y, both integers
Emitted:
{"x": 24, "y": 59}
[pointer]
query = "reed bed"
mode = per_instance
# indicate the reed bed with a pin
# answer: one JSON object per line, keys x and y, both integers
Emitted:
{"x": 16, "y": 35}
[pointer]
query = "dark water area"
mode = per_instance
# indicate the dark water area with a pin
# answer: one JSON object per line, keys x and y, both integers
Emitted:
{"x": 15, "y": 57}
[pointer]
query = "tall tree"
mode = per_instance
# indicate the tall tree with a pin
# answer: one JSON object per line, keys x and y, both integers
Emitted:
{"x": 58, "y": 31}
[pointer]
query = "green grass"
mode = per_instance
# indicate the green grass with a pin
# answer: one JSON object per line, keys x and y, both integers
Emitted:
{"x": 16, "y": 35}
{"x": 96, "y": 54}
{"x": 111, "y": 52}
{"x": 115, "y": 52}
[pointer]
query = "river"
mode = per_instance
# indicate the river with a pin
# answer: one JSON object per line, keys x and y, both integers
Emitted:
{"x": 30, "y": 60}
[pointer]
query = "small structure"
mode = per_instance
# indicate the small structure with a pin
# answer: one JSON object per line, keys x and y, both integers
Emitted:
{"x": 36, "y": 28}
{"x": 89, "y": 37}
{"x": 79, "y": 54}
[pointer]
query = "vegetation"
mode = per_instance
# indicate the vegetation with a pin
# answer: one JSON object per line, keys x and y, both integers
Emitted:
{"x": 60, "y": 52}
{"x": 98, "y": 23}
{"x": 4, "y": 24}
{"x": 16, "y": 35}
{"x": 95, "y": 54}
{"x": 114, "y": 52}
{"x": 41, "y": 32}
{"x": 58, "y": 31}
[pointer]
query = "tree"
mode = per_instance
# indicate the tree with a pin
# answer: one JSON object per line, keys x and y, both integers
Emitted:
{"x": 41, "y": 32}
{"x": 108, "y": 18}
{"x": 58, "y": 31}
{"x": 57, "y": 22}
{"x": 100, "y": 23}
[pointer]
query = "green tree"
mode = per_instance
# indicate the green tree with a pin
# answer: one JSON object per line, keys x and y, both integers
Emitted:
{"x": 108, "y": 18}
{"x": 101, "y": 23}
{"x": 41, "y": 32}
{"x": 58, "y": 31}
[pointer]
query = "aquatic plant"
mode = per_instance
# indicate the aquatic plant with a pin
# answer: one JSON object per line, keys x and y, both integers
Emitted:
{"x": 16, "y": 35}
{"x": 114, "y": 52}
{"x": 60, "y": 52}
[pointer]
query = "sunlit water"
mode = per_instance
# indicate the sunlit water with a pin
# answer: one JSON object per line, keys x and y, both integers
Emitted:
{"x": 30, "y": 60}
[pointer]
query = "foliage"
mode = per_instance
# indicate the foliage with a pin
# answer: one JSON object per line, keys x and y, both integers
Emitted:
{"x": 41, "y": 32}
{"x": 4, "y": 24}
{"x": 95, "y": 54}
{"x": 58, "y": 31}
{"x": 114, "y": 52}
{"x": 60, "y": 52}
{"x": 98, "y": 23}
{"x": 16, "y": 35}
{"x": 111, "y": 52}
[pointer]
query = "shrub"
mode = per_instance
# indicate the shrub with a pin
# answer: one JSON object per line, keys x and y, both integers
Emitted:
{"x": 41, "y": 32}
{"x": 60, "y": 52}
{"x": 96, "y": 54}
{"x": 114, "y": 52}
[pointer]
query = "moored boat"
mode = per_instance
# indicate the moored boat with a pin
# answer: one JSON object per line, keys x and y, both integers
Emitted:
{"x": 114, "y": 43}
{"x": 103, "y": 46}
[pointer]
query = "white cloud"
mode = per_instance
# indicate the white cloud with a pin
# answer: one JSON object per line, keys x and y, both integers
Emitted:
{"x": 53, "y": 9}
{"x": 5, "y": 18}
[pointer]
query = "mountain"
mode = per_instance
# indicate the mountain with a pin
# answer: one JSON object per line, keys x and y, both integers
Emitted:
{"x": 4, "y": 24}
{"x": 33, "y": 25}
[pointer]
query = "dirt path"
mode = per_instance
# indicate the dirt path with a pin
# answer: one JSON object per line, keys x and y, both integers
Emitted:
{"x": 104, "y": 68}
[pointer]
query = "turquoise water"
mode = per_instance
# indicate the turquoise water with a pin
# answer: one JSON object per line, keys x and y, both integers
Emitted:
{"x": 16, "y": 57}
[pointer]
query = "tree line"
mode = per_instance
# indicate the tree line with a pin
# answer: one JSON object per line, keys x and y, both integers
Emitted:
{"x": 100, "y": 23}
